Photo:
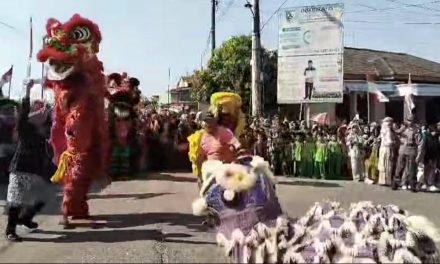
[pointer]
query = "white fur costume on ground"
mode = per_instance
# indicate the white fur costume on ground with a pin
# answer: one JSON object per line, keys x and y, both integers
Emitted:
{"x": 253, "y": 229}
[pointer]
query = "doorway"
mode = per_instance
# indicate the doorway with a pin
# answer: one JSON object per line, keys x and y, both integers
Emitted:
{"x": 342, "y": 111}
{"x": 362, "y": 106}
{"x": 432, "y": 114}
{"x": 394, "y": 109}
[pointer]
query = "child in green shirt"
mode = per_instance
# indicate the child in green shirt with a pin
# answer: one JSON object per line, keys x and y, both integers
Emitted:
{"x": 335, "y": 159}
{"x": 321, "y": 157}
{"x": 307, "y": 156}
{"x": 297, "y": 155}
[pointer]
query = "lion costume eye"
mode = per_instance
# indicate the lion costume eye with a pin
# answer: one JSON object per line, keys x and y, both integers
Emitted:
{"x": 46, "y": 40}
{"x": 81, "y": 34}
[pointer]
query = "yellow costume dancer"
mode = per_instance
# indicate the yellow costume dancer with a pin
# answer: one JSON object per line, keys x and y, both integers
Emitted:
{"x": 227, "y": 108}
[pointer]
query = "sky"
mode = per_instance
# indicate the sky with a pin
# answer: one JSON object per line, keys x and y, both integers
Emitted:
{"x": 147, "y": 37}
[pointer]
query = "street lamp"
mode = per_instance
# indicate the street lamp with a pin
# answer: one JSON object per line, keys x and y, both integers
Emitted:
{"x": 249, "y": 6}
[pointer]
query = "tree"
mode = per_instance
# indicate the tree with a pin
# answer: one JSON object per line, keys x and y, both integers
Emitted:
{"x": 229, "y": 69}
{"x": 198, "y": 89}
{"x": 269, "y": 72}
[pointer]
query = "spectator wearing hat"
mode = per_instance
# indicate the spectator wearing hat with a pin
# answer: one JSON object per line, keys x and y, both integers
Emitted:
{"x": 409, "y": 155}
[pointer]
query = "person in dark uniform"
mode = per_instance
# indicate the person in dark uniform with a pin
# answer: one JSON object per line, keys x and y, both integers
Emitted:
{"x": 411, "y": 144}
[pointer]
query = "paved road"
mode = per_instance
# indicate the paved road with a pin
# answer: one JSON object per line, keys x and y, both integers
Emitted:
{"x": 150, "y": 221}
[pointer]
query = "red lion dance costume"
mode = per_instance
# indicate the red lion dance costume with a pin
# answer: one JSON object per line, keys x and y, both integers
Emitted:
{"x": 79, "y": 133}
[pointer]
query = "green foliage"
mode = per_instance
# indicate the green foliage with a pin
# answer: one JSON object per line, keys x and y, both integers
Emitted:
{"x": 199, "y": 86}
{"x": 8, "y": 102}
{"x": 229, "y": 69}
{"x": 269, "y": 72}
{"x": 148, "y": 103}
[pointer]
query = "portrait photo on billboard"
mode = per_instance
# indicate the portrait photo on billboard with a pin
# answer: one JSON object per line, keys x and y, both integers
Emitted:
{"x": 310, "y": 79}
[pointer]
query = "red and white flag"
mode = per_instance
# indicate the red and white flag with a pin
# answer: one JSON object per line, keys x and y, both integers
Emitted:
{"x": 7, "y": 76}
{"x": 409, "y": 101}
{"x": 374, "y": 89}
{"x": 409, "y": 97}
{"x": 321, "y": 119}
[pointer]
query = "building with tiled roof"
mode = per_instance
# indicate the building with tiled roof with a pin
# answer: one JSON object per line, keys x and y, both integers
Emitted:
{"x": 395, "y": 75}
{"x": 389, "y": 66}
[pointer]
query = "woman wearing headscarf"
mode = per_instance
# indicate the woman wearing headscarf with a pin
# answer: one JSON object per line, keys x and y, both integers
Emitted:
{"x": 30, "y": 169}
{"x": 355, "y": 143}
{"x": 388, "y": 141}
{"x": 371, "y": 164}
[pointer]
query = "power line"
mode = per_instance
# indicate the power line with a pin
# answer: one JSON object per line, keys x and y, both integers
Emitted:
{"x": 373, "y": 9}
{"x": 393, "y": 22}
{"x": 422, "y": 6}
{"x": 225, "y": 10}
{"x": 205, "y": 51}
{"x": 7, "y": 25}
{"x": 274, "y": 13}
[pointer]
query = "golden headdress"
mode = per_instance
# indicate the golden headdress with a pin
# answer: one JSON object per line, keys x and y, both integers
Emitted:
{"x": 229, "y": 103}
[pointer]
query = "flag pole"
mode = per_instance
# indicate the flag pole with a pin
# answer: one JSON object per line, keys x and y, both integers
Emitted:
{"x": 9, "y": 90}
{"x": 169, "y": 77}
{"x": 368, "y": 102}
{"x": 42, "y": 73}
{"x": 30, "y": 49}
{"x": 10, "y": 83}
{"x": 42, "y": 81}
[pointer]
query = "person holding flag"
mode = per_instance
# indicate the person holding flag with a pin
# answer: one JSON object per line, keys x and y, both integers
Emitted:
{"x": 6, "y": 78}
{"x": 30, "y": 168}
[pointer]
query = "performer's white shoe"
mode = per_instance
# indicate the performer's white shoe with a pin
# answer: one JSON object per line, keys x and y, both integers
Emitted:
{"x": 369, "y": 181}
{"x": 433, "y": 188}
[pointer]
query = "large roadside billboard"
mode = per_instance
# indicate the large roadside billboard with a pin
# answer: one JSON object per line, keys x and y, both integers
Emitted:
{"x": 310, "y": 54}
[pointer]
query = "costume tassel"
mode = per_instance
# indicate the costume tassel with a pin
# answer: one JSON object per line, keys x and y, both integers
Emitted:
{"x": 62, "y": 167}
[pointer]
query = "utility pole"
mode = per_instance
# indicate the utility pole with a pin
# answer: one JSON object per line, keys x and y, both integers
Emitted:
{"x": 256, "y": 60}
{"x": 214, "y": 7}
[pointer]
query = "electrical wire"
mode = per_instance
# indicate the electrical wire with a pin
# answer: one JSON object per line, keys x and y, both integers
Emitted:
{"x": 397, "y": 23}
{"x": 422, "y": 6}
{"x": 7, "y": 25}
{"x": 205, "y": 51}
{"x": 225, "y": 10}
{"x": 274, "y": 13}
{"x": 372, "y": 9}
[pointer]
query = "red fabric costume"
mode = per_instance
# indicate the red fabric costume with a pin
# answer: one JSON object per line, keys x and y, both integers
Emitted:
{"x": 122, "y": 119}
{"x": 79, "y": 134}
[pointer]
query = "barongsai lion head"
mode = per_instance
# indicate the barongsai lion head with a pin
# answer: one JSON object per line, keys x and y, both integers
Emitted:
{"x": 68, "y": 46}
{"x": 239, "y": 194}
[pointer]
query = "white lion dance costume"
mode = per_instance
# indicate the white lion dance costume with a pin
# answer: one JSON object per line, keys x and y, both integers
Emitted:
{"x": 252, "y": 228}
